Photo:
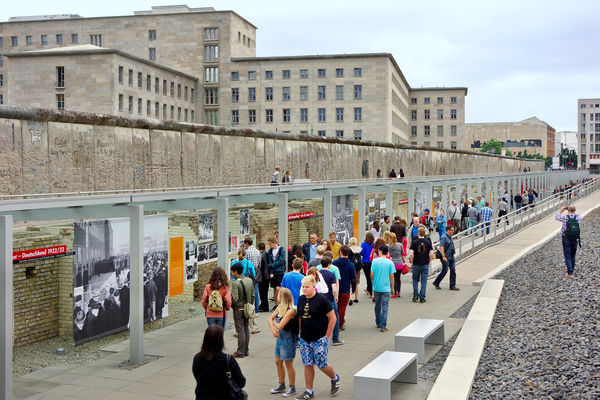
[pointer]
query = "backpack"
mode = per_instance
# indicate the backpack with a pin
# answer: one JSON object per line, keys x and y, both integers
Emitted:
{"x": 247, "y": 268}
{"x": 429, "y": 223}
{"x": 356, "y": 259}
{"x": 215, "y": 301}
{"x": 572, "y": 229}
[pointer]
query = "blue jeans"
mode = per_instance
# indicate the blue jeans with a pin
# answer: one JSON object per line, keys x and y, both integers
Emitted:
{"x": 216, "y": 321}
{"x": 569, "y": 250}
{"x": 472, "y": 223}
{"x": 335, "y": 336}
{"x": 256, "y": 297}
{"x": 518, "y": 208}
{"x": 486, "y": 225}
{"x": 382, "y": 299}
{"x": 419, "y": 274}
{"x": 451, "y": 264}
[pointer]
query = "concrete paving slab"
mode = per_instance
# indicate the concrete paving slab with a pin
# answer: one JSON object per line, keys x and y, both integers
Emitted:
{"x": 456, "y": 379}
{"x": 483, "y": 309}
{"x": 491, "y": 288}
{"x": 471, "y": 340}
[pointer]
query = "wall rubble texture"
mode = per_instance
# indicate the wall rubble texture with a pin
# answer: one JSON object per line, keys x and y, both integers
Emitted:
{"x": 42, "y": 151}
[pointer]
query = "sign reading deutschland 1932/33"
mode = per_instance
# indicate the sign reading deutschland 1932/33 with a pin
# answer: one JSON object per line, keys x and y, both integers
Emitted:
{"x": 40, "y": 254}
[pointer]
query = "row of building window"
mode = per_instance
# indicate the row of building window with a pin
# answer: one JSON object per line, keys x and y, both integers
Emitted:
{"x": 583, "y": 116}
{"x": 427, "y": 114}
{"x": 95, "y": 39}
{"x": 304, "y": 116}
{"x": 594, "y": 148}
{"x": 242, "y": 38}
{"x": 427, "y": 100}
{"x": 593, "y": 128}
{"x": 440, "y": 145}
{"x": 427, "y": 130}
{"x": 591, "y": 105}
{"x": 182, "y": 114}
{"x": 148, "y": 83}
{"x": 286, "y": 93}
{"x": 287, "y": 74}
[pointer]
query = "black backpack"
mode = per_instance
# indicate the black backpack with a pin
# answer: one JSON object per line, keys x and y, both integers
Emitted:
{"x": 356, "y": 259}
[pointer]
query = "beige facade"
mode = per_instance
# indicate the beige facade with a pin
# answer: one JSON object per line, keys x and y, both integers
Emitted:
{"x": 588, "y": 132}
{"x": 93, "y": 79}
{"x": 364, "y": 96}
{"x": 344, "y": 96}
{"x": 531, "y": 134}
{"x": 437, "y": 117}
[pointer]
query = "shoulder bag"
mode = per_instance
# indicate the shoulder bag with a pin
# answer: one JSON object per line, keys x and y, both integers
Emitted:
{"x": 235, "y": 391}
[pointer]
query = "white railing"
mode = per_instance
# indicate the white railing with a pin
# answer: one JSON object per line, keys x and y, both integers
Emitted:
{"x": 471, "y": 240}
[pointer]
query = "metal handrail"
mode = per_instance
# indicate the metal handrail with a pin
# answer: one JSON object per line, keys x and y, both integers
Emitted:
{"x": 518, "y": 219}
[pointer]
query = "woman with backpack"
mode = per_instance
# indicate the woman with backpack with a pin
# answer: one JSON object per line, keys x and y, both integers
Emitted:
{"x": 216, "y": 298}
{"x": 284, "y": 326}
{"x": 367, "y": 248}
{"x": 211, "y": 367}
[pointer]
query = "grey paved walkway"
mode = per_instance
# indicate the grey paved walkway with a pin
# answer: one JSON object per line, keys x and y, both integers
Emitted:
{"x": 170, "y": 376}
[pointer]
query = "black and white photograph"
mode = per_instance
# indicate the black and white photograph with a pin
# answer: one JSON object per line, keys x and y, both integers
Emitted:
{"x": 244, "y": 221}
{"x": 343, "y": 218}
{"x": 101, "y": 274}
{"x": 191, "y": 272}
{"x": 101, "y": 278}
{"x": 202, "y": 253}
{"x": 156, "y": 267}
{"x": 190, "y": 250}
{"x": 420, "y": 200}
{"x": 213, "y": 251}
{"x": 206, "y": 227}
{"x": 191, "y": 264}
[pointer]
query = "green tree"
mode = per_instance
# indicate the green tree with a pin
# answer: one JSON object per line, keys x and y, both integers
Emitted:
{"x": 492, "y": 144}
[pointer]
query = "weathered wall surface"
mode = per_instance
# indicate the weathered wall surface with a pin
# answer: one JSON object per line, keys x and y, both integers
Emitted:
{"x": 42, "y": 151}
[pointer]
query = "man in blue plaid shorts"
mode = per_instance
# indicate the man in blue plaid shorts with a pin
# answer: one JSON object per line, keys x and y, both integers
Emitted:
{"x": 317, "y": 320}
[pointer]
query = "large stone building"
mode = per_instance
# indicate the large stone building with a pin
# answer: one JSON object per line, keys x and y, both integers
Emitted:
{"x": 588, "y": 129}
{"x": 532, "y": 135}
{"x": 213, "y": 54}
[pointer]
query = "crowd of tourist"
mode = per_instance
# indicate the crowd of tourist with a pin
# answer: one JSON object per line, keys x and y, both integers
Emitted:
{"x": 314, "y": 284}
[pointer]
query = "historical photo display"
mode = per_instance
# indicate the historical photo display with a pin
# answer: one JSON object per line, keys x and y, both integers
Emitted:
{"x": 244, "y": 221}
{"x": 206, "y": 227}
{"x": 101, "y": 275}
{"x": 191, "y": 261}
{"x": 342, "y": 218}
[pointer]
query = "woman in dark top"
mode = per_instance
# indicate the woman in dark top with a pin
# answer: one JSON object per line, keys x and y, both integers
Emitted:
{"x": 210, "y": 367}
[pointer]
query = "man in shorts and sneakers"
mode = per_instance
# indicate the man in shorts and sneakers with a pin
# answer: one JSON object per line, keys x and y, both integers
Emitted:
{"x": 316, "y": 322}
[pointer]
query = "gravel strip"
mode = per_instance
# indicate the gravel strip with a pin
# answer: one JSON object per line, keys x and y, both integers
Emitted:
{"x": 544, "y": 342}
{"x": 463, "y": 311}
{"x": 43, "y": 354}
{"x": 431, "y": 369}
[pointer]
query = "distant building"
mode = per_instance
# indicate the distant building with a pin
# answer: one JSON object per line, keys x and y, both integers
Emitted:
{"x": 199, "y": 65}
{"x": 531, "y": 134}
{"x": 567, "y": 140}
{"x": 588, "y": 133}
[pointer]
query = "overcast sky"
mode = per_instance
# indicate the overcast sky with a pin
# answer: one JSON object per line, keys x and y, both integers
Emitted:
{"x": 518, "y": 58}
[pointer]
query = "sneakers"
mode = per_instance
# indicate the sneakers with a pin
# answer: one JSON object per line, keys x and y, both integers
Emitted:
{"x": 384, "y": 329}
{"x": 238, "y": 355}
{"x": 335, "y": 384}
{"x": 255, "y": 330}
{"x": 338, "y": 343}
{"x": 415, "y": 299}
{"x": 290, "y": 392}
{"x": 306, "y": 395}
{"x": 454, "y": 288}
{"x": 280, "y": 388}
{"x": 394, "y": 296}
{"x": 356, "y": 301}
{"x": 436, "y": 286}
{"x": 423, "y": 300}
{"x": 350, "y": 302}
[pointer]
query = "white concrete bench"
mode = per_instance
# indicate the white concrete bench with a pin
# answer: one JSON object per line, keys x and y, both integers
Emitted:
{"x": 374, "y": 380}
{"x": 420, "y": 331}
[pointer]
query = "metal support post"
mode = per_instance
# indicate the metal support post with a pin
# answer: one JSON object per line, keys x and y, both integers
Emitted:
{"x": 429, "y": 197}
{"x": 445, "y": 201}
{"x": 136, "y": 310}
{"x": 362, "y": 204}
{"x": 326, "y": 212}
{"x": 389, "y": 200}
{"x": 282, "y": 222}
{"x": 6, "y": 306}
{"x": 411, "y": 200}
{"x": 223, "y": 233}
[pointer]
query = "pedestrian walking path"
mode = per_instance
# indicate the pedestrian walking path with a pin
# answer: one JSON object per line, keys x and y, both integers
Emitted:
{"x": 170, "y": 375}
